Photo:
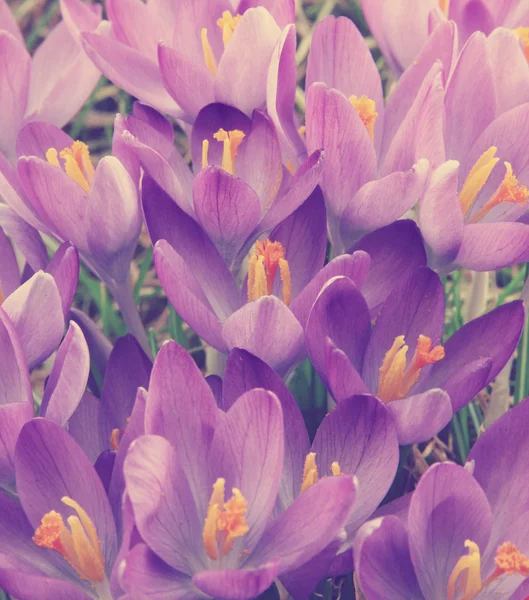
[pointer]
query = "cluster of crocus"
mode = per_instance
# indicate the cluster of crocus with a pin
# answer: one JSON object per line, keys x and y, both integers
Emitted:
{"x": 308, "y": 229}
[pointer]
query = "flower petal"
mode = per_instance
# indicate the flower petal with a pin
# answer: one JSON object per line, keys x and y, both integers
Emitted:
{"x": 237, "y": 584}
{"x": 64, "y": 266}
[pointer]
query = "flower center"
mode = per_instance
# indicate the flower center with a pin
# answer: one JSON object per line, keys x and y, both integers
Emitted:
{"x": 225, "y": 521}
{"x": 310, "y": 471}
{"x": 397, "y": 377}
{"x": 262, "y": 267}
{"x": 509, "y": 190}
{"x": 231, "y": 141}
{"x": 227, "y": 23}
{"x": 509, "y": 561}
{"x": 522, "y": 33}
{"x": 76, "y": 161}
{"x": 365, "y": 107}
{"x": 79, "y": 544}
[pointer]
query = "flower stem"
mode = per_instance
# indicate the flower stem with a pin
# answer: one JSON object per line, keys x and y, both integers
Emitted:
{"x": 478, "y": 295}
{"x": 215, "y": 361}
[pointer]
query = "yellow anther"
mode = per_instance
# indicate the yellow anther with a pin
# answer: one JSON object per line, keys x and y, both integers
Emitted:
{"x": 205, "y": 150}
{"x": 335, "y": 469}
{"x": 228, "y": 23}
{"x": 477, "y": 178}
{"x": 290, "y": 167}
{"x": 302, "y": 129}
{"x": 396, "y": 378}
{"x": 225, "y": 521}
{"x": 470, "y": 566}
{"x": 262, "y": 268}
{"x": 310, "y": 472}
{"x": 77, "y": 164}
{"x": 444, "y": 5}
{"x": 231, "y": 140}
{"x": 522, "y": 33}
{"x": 114, "y": 439}
{"x": 79, "y": 545}
{"x": 365, "y": 107}
{"x": 209, "y": 57}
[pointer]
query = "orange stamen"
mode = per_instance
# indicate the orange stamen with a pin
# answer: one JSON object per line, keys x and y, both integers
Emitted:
{"x": 444, "y": 5}
{"x": 522, "y": 33}
{"x": 228, "y": 23}
{"x": 310, "y": 472}
{"x": 77, "y": 164}
{"x": 262, "y": 268}
{"x": 365, "y": 107}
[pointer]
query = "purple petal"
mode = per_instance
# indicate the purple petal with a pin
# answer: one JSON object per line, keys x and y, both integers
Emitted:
{"x": 35, "y": 309}
{"x": 245, "y": 372}
{"x": 342, "y": 379}
{"x": 440, "y": 215}
{"x": 50, "y": 465}
{"x": 493, "y": 337}
{"x": 421, "y": 416}
{"x": 227, "y": 208}
{"x": 84, "y": 427}
{"x": 181, "y": 407}
{"x": 24, "y": 237}
{"x": 165, "y": 221}
{"x": 189, "y": 83}
{"x": 369, "y": 209}
{"x": 68, "y": 377}
{"x": 340, "y": 313}
{"x": 15, "y": 67}
{"x": 64, "y": 266}
{"x": 133, "y": 25}
{"x": 9, "y": 24}
{"x": 283, "y": 11}
{"x": 80, "y": 16}
{"x": 360, "y": 436}
{"x": 308, "y": 526}
{"x": 247, "y": 90}
{"x": 414, "y": 308}
{"x": 354, "y": 267}
{"x": 267, "y": 328}
{"x": 383, "y": 563}
{"x": 448, "y": 507}
{"x": 130, "y": 70}
{"x": 305, "y": 228}
{"x": 395, "y": 251}
{"x": 164, "y": 507}
{"x": 99, "y": 345}
{"x": 247, "y": 451}
{"x": 9, "y": 274}
{"x": 37, "y": 137}
{"x": 237, "y": 584}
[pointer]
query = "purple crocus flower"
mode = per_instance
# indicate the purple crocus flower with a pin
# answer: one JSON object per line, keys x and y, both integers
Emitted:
{"x": 50, "y": 86}
{"x": 213, "y": 530}
{"x": 60, "y": 541}
{"x": 102, "y": 216}
{"x": 345, "y": 117}
{"x": 357, "y": 438}
{"x": 181, "y": 56}
{"x": 401, "y": 28}
{"x": 466, "y": 534}
{"x": 400, "y": 359}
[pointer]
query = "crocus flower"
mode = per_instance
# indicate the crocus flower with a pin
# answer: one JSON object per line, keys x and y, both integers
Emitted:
{"x": 345, "y": 117}
{"x": 241, "y": 189}
{"x": 60, "y": 541}
{"x": 402, "y": 28}
{"x": 401, "y": 360}
{"x": 223, "y": 486}
{"x": 466, "y": 535}
{"x": 101, "y": 217}
{"x": 181, "y": 56}
{"x": 50, "y": 86}
{"x": 357, "y": 438}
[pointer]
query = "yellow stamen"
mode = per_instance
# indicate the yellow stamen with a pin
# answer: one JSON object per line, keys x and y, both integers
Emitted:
{"x": 395, "y": 379}
{"x": 302, "y": 130}
{"x": 509, "y": 561}
{"x": 231, "y": 140}
{"x": 509, "y": 190}
{"x": 444, "y": 5}
{"x": 209, "y": 57}
{"x": 477, "y": 178}
{"x": 205, "y": 150}
{"x": 114, "y": 439}
{"x": 228, "y": 23}
{"x": 290, "y": 167}
{"x": 522, "y": 33}
{"x": 335, "y": 468}
{"x": 310, "y": 472}
{"x": 79, "y": 545}
{"x": 262, "y": 268}
{"x": 470, "y": 565}
{"x": 77, "y": 163}
{"x": 225, "y": 521}
{"x": 365, "y": 107}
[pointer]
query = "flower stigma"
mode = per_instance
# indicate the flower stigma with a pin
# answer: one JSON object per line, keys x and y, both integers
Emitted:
{"x": 310, "y": 471}
{"x": 267, "y": 257}
{"x": 78, "y": 545}
{"x": 397, "y": 377}
{"x": 225, "y": 521}
{"x": 509, "y": 561}
{"x": 231, "y": 141}
{"x": 77, "y": 164}
{"x": 227, "y": 23}
{"x": 509, "y": 190}
{"x": 365, "y": 107}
